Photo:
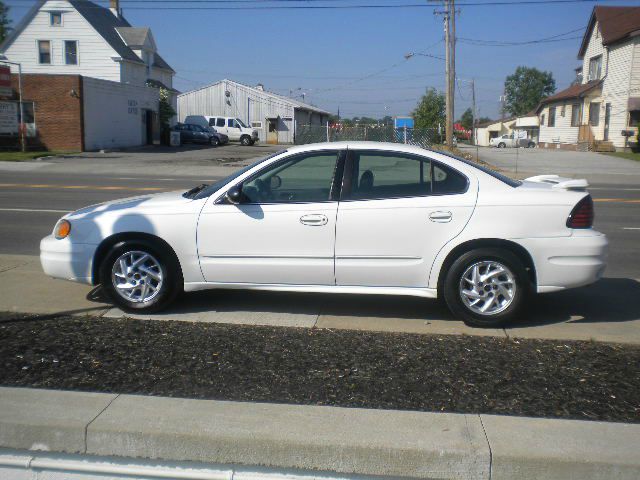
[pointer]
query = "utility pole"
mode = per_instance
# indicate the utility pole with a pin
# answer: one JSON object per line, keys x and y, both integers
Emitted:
{"x": 449, "y": 14}
{"x": 452, "y": 68}
{"x": 473, "y": 111}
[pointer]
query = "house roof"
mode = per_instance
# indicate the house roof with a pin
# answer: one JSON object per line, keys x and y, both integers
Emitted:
{"x": 256, "y": 91}
{"x": 574, "y": 91}
{"x": 134, "y": 36}
{"x": 615, "y": 23}
{"x": 101, "y": 19}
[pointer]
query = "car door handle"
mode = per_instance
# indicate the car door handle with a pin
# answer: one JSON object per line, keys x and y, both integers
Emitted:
{"x": 440, "y": 217}
{"x": 314, "y": 220}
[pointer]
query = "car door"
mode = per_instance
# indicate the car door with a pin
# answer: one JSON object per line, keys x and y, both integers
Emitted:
{"x": 282, "y": 232}
{"x": 396, "y": 213}
{"x": 221, "y": 125}
{"x": 233, "y": 129}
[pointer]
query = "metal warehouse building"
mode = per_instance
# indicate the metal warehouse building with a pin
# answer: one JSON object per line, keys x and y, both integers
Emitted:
{"x": 274, "y": 116}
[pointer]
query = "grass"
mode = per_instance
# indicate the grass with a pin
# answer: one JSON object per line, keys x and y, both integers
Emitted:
{"x": 628, "y": 155}
{"x": 25, "y": 156}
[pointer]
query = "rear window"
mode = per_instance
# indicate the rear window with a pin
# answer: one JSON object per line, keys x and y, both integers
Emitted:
{"x": 503, "y": 178}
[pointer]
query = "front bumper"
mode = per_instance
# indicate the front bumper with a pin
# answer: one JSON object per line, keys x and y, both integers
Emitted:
{"x": 67, "y": 260}
{"x": 568, "y": 262}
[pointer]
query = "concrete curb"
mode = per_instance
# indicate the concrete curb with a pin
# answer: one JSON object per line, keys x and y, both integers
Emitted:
{"x": 346, "y": 441}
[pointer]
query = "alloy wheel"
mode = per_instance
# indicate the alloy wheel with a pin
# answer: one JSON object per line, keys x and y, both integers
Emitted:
{"x": 487, "y": 288}
{"x": 137, "y": 276}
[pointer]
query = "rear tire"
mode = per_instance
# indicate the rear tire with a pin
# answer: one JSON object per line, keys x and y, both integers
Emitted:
{"x": 140, "y": 276}
{"x": 487, "y": 287}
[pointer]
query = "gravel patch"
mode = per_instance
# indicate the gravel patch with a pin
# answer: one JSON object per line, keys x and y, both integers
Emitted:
{"x": 539, "y": 378}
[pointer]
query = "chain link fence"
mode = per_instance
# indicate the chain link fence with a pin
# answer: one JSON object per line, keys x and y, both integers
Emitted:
{"x": 423, "y": 137}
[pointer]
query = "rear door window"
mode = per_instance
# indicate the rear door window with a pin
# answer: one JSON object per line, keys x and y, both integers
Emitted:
{"x": 220, "y": 122}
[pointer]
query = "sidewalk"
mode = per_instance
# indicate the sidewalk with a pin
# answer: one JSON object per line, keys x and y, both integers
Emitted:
{"x": 125, "y": 435}
{"x": 601, "y": 314}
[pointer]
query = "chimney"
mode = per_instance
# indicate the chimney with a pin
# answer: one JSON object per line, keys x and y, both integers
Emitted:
{"x": 114, "y": 6}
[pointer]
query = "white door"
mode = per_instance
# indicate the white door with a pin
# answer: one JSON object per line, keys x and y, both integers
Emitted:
{"x": 397, "y": 212}
{"x": 221, "y": 125}
{"x": 233, "y": 129}
{"x": 283, "y": 232}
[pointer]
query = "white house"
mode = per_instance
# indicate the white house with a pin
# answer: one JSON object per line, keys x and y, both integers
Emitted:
{"x": 276, "y": 117}
{"x": 118, "y": 66}
{"x": 605, "y": 101}
{"x": 484, "y": 132}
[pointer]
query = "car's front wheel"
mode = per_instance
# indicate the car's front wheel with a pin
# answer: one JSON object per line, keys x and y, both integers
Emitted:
{"x": 487, "y": 287}
{"x": 214, "y": 141}
{"x": 502, "y": 145}
{"x": 139, "y": 276}
{"x": 246, "y": 140}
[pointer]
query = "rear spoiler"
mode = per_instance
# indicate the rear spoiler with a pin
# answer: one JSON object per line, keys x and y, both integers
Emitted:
{"x": 563, "y": 183}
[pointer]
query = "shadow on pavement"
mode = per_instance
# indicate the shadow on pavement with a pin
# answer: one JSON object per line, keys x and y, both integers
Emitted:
{"x": 608, "y": 300}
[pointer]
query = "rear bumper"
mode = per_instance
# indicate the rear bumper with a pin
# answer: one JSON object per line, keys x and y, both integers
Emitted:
{"x": 67, "y": 260}
{"x": 567, "y": 262}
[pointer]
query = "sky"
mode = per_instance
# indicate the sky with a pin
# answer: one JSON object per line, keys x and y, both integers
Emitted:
{"x": 353, "y": 59}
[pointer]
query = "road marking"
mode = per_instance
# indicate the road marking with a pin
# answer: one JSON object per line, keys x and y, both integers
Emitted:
{"x": 616, "y": 200}
{"x": 32, "y": 210}
{"x": 80, "y": 187}
{"x": 631, "y": 228}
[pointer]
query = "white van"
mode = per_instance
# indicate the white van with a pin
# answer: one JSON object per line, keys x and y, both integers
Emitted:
{"x": 233, "y": 127}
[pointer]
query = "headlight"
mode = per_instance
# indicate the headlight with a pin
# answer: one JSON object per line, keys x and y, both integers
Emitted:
{"x": 62, "y": 229}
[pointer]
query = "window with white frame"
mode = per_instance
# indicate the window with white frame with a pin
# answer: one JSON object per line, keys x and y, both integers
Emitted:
{"x": 44, "y": 52}
{"x": 71, "y": 52}
{"x": 55, "y": 19}
{"x": 575, "y": 115}
{"x": 595, "y": 68}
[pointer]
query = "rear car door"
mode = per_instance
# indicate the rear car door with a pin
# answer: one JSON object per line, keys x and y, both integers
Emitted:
{"x": 283, "y": 232}
{"x": 396, "y": 212}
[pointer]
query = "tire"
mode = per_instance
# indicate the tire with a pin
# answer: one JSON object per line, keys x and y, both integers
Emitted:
{"x": 531, "y": 145}
{"x": 502, "y": 145}
{"x": 513, "y": 281}
{"x": 161, "y": 270}
{"x": 214, "y": 141}
{"x": 246, "y": 140}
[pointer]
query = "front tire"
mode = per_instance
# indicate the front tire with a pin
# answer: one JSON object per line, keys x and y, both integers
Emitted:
{"x": 138, "y": 276}
{"x": 246, "y": 140}
{"x": 502, "y": 145}
{"x": 487, "y": 287}
{"x": 214, "y": 141}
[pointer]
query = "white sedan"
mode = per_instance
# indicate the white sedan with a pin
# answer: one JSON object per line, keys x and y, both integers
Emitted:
{"x": 354, "y": 217}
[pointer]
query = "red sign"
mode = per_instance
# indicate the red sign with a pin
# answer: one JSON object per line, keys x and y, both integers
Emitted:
{"x": 5, "y": 81}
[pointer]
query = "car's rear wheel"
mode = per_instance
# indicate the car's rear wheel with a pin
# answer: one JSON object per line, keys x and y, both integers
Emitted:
{"x": 140, "y": 276}
{"x": 487, "y": 287}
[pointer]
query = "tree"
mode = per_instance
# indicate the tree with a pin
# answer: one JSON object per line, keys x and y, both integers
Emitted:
{"x": 466, "y": 120}
{"x": 482, "y": 120}
{"x": 525, "y": 88}
{"x": 5, "y": 22}
{"x": 430, "y": 110}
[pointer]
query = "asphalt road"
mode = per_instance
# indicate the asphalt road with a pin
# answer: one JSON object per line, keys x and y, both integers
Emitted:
{"x": 32, "y": 201}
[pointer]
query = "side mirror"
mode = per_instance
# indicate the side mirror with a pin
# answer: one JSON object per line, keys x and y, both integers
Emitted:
{"x": 234, "y": 194}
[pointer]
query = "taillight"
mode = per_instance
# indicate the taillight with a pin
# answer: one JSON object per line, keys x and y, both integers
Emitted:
{"x": 582, "y": 214}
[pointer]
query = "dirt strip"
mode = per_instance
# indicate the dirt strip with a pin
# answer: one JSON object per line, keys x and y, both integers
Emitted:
{"x": 538, "y": 378}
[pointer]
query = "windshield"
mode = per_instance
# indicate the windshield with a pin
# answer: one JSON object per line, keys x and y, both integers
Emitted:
{"x": 209, "y": 189}
{"x": 503, "y": 178}
{"x": 240, "y": 123}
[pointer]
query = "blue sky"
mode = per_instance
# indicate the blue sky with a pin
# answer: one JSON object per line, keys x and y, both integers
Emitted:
{"x": 326, "y": 53}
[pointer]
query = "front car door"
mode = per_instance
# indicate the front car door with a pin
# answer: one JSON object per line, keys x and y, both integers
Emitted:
{"x": 233, "y": 129}
{"x": 283, "y": 232}
{"x": 396, "y": 212}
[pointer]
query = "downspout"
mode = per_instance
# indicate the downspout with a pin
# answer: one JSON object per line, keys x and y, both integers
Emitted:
{"x": 81, "y": 100}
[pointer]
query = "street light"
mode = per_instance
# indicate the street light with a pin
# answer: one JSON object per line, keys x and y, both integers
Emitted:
{"x": 3, "y": 58}
{"x": 409, "y": 55}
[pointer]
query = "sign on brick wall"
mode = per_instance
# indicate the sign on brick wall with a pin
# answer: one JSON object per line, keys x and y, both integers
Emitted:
{"x": 5, "y": 81}
{"x": 8, "y": 117}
